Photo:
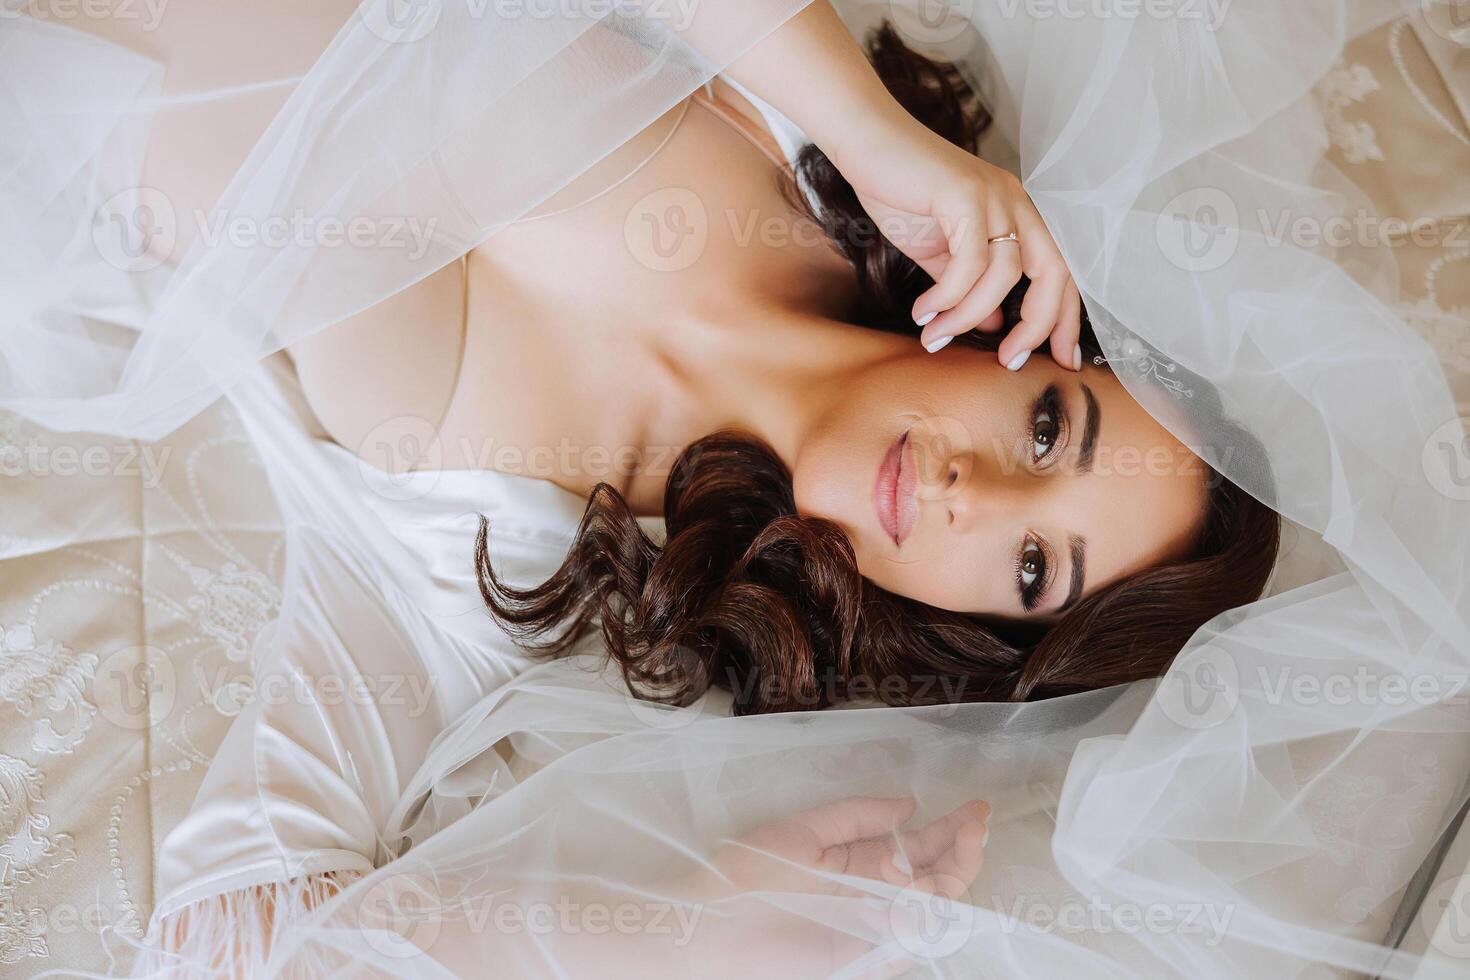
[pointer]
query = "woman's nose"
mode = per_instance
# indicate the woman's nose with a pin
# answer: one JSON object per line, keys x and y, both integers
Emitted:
{"x": 979, "y": 490}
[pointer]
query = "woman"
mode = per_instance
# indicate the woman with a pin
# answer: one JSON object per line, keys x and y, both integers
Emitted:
{"x": 902, "y": 487}
{"x": 1196, "y": 787}
{"x": 849, "y": 515}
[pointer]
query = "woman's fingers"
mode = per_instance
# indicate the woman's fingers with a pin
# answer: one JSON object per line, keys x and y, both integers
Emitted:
{"x": 952, "y": 845}
{"x": 1042, "y": 304}
{"x": 969, "y": 255}
{"x": 961, "y": 862}
{"x": 1065, "y": 347}
{"x": 1046, "y": 309}
{"x": 993, "y": 322}
{"x": 1051, "y": 308}
{"x": 930, "y": 843}
{"x": 860, "y": 837}
{"x": 983, "y": 302}
{"x": 845, "y": 821}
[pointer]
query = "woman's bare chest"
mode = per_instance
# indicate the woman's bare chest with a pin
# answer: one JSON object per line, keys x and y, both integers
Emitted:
{"x": 688, "y": 209}
{"x": 556, "y": 371}
{"x": 562, "y": 376}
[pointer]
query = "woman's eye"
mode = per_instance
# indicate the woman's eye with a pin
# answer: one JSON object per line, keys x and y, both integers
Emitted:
{"x": 1033, "y": 564}
{"x": 1047, "y": 424}
{"x": 1044, "y": 432}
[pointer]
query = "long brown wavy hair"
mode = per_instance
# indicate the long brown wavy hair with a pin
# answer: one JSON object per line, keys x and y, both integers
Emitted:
{"x": 747, "y": 594}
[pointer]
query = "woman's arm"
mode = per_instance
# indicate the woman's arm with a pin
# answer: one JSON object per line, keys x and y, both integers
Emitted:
{"x": 812, "y": 69}
{"x": 938, "y": 204}
{"x": 724, "y": 918}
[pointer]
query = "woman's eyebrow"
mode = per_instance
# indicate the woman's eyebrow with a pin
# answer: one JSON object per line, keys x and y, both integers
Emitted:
{"x": 1089, "y": 432}
{"x": 1079, "y": 571}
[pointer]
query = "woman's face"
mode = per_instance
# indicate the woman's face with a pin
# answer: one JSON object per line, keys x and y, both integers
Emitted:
{"x": 976, "y": 489}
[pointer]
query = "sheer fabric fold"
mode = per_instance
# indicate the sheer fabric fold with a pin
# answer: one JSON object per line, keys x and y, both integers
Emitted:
{"x": 1257, "y": 812}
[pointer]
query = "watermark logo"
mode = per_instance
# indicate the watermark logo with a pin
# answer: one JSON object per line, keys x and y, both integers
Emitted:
{"x": 138, "y": 229}
{"x": 406, "y": 21}
{"x": 232, "y": 692}
{"x": 927, "y": 923}
{"x": 1092, "y": 915}
{"x": 400, "y": 916}
{"x": 1446, "y": 459}
{"x": 300, "y": 229}
{"x": 931, "y": 21}
{"x": 37, "y": 458}
{"x": 1199, "y": 230}
{"x": 135, "y": 688}
{"x": 147, "y": 13}
{"x": 1200, "y": 690}
{"x": 1210, "y": 13}
{"x": 1361, "y": 686}
{"x": 667, "y": 230}
{"x": 943, "y": 456}
{"x": 688, "y": 671}
{"x": 1449, "y": 931}
{"x": 400, "y": 459}
{"x": 1450, "y": 19}
{"x": 401, "y": 21}
{"x": 135, "y": 230}
{"x": 1361, "y": 227}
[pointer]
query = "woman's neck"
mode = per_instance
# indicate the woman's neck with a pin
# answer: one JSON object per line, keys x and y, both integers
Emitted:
{"x": 773, "y": 374}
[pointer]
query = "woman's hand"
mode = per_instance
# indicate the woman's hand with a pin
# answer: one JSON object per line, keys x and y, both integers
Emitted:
{"x": 859, "y": 837}
{"x": 856, "y": 837}
{"x": 944, "y": 208}
{"x": 937, "y": 203}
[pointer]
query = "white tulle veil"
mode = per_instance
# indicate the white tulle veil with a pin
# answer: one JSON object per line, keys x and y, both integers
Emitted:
{"x": 1164, "y": 829}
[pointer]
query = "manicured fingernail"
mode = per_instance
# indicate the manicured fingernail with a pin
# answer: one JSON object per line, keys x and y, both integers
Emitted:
{"x": 985, "y": 837}
{"x": 924, "y": 320}
{"x": 937, "y": 345}
{"x": 1018, "y": 360}
{"x": 902, "y": 864}
{"x": 1077, "y": 358}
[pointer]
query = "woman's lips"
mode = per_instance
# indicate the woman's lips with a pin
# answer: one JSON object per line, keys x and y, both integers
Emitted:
{"x": 893, "y": 492}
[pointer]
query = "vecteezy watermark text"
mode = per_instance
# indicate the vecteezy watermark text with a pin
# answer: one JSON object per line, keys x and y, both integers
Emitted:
{"x": 137, "y": 229}
{"x": 147, "y": 13}
{"x": 42, "y": 459}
